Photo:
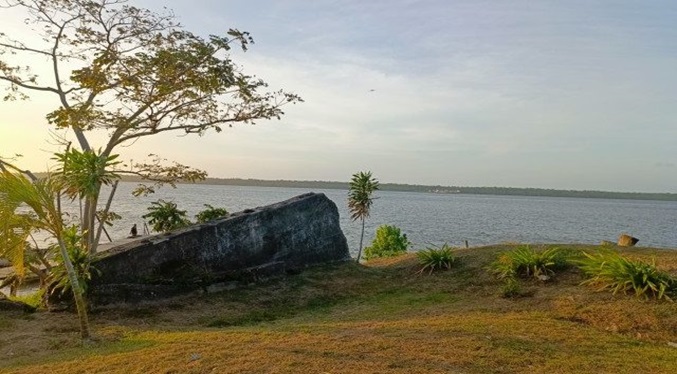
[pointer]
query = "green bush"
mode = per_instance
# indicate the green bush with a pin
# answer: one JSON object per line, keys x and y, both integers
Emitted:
{"x": 166, "y": 216}
{"x": 526, "y": 262}
{"x": 610, "y": 271}
{"x": 389, "y": 242}
{"x": 434, "y": 259}
{"x": 210, "y": 214}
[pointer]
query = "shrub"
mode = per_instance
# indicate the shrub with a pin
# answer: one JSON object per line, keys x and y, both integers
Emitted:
{"x": 527, "y": 263}
{"x": 210, "y": 214}
{"x": 389, "y": 242}
{"x": 166, "y": 216}
{"x": 511, "y": 288}
{"x": 609, "y": 270}
{"x": 434, "y": 259}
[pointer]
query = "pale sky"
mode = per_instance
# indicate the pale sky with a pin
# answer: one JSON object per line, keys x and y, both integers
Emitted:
{"x": 552, "y": 94}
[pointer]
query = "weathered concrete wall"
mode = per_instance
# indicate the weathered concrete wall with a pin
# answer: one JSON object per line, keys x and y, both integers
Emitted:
{"x": 274, "y": 239}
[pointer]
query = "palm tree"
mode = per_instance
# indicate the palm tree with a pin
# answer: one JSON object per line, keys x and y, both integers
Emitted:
{"x": 362, "y": 185}
{"x": 81, "y": 175}
{"x": 43, "y": 198}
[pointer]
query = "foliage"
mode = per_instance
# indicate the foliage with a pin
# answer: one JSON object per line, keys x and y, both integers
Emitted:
{"x": 79, "y": 257}
{"x": 511, "y": 288}
{"x": 14, "y": 231}
{"x": 210, "y": 214}
{"x": 526, "y": 262}
{"x": 434, "y": 259}
{"x": 166, "y": 216}
{"x": 389, "y": 242}
{"x": 610, "y": 271}
{"x": 362, "y": 186}
{"x": 159, "y": 76}
{"x": 83, "y": 172}
{"x": 43, "y": 198}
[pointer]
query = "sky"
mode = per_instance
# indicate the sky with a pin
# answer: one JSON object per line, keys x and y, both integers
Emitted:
{"x": 550, "y": 94}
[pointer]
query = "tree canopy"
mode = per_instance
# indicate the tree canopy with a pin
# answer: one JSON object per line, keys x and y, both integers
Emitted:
{"x": 132, "y": 72}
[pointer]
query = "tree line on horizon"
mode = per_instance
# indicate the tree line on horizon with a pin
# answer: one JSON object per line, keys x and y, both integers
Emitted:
{"x": 402, "y": 187}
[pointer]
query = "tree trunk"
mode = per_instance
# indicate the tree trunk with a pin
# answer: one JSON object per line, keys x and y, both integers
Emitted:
{"x": 78, "y": 293}
{"x": 359, "y": 253}
{"x": 102, "y": 222}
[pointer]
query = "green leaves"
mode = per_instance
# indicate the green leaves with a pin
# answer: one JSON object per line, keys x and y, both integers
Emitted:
{"x": 210, "y": 214}
{"x": 362, "y": 185}
{"x": 435, "y": 259}
{"x": 389, "y": 242}
{"x": 84, "y": 172}
{"x": 166, "y": 216}
{"x": 607, "y": 270}
{"x": 526, "y": 262}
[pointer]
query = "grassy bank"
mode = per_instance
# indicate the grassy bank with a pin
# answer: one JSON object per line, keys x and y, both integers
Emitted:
{"x": 382, "y": 317}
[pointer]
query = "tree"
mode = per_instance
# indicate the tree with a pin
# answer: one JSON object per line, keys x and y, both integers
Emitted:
{"x": 129, "y": 73}
{"x": 132, "y": 73}
{"x": 362, "y": 185}
{"x": 43, "y": 198}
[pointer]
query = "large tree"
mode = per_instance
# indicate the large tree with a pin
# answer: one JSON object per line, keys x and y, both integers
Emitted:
{"x": 132, "y": 73}
{"x": 129, "y": 73}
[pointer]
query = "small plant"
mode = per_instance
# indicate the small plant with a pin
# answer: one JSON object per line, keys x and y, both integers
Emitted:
{"x": 389, "y": 242}
{"x": 210, "y": 214}
{"x": 511, "y": 288}
{"x": 435, "y": 259}
{"x": 166, "y": 216}
{"x": 610, "y": 271}
{"x": 525, "y": 262}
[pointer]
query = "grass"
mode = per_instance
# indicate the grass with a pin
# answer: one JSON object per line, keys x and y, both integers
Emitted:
{"x": 382, "y": 317}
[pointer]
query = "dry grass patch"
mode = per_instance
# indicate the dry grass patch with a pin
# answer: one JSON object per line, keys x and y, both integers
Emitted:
{"x": 382, "y": 317}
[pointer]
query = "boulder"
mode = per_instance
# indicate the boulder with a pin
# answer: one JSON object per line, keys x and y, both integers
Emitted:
{"x": 626, "y": 240}
{"x": 245, "y": 246}
{"x": 10, "y": 305}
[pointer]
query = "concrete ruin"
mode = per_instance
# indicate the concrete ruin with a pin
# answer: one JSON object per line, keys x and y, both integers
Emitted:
{"x": 244, "y": 247}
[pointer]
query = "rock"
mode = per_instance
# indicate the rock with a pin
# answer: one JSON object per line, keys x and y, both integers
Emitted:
{"x": 247, "y": 246}
{"x": 626, "y": 240}
{"x": 9, "y": 305}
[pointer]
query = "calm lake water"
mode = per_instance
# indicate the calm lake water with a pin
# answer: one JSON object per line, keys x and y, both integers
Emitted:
{"x": 434, "y": 219}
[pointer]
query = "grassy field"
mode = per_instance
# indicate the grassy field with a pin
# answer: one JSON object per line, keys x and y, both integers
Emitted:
{"x": 348, "y": 318}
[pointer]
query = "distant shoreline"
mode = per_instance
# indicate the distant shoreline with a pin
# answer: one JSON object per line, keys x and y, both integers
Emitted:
{"x": 501, "y": 191}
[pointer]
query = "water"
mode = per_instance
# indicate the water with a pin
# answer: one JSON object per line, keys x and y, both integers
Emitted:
{"x": 434, "y": 219}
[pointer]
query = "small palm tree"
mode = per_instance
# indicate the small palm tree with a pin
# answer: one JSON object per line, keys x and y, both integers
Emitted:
{"x": 362, "y": 185}
{"x": 43, "y": 198}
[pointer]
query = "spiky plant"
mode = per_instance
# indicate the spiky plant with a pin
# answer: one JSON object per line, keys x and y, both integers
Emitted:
{"x": 608, "y": 270}
{"x": 435, "y": 259}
